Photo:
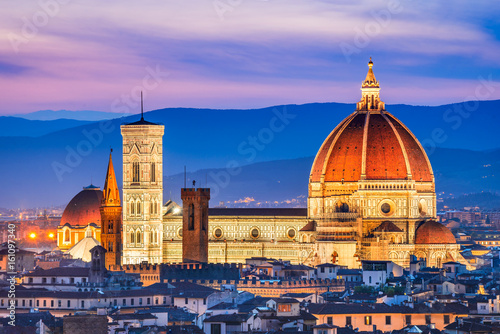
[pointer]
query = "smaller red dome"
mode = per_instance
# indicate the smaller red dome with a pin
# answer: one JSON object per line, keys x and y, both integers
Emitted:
{"x": 432, "y": 232}
{"x": 83, "y": 209}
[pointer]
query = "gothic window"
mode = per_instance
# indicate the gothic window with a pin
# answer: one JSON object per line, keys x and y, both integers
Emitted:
{"x": 139, "y": 240}
{"x": 66, "y": 236}
{"x": 191, "y": 217}
{"x": 156, "y": 207}
{"x": 153, "y": 172}
{"x": 135, "y": 171}
{"x": 132, "y": 208}
{"x": 110, "y": 246}
{"x": 151, "y": 237}
{"x": 132, "y": 237}
{"x": 151, "y": 207}
{"x": 138, "y": 208}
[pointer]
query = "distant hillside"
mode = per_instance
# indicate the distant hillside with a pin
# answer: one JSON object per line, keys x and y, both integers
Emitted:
{"x": 52, "y": 168}
{"x": 20, "y": 127}
{"x": 80, "y": 115}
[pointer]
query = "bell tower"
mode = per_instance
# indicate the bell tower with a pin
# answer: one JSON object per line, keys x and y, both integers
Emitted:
{"x": 195, "y": 224}
{"x": 111, "y": 218}
{"x": 142, "y": 192}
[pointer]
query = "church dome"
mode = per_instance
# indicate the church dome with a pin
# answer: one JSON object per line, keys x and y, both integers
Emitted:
{"x": 390, "y": 151}
{"x": 432, "y": 232}
{"x": 83, "y": 209}
{"x": 371, "y": 144}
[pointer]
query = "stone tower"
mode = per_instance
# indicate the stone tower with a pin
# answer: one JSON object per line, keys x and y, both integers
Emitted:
{"x": 111, "y": 218}
{"x": 195, "y": 224}
{"x": 142, "y": 192}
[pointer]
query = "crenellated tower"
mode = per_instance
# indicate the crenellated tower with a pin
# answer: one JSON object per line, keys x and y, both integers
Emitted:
{"x": 195, "y": 224}
{"x": 111, "y": 218}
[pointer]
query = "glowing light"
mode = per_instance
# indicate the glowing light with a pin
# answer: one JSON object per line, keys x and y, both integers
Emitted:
{"x": 32, "y": 235}
{"x": 51, "y": 235}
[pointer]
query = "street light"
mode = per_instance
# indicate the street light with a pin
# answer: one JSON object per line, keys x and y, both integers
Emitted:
{"x": 32, "y": 235}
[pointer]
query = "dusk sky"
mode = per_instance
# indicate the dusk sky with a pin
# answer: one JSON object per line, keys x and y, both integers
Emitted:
{"x": 87, "y": 55}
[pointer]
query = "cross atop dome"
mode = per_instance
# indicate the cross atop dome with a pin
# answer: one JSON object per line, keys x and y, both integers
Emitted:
{"x": 370, "y": 93}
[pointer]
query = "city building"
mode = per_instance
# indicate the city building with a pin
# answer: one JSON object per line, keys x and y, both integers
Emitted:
{"x": 81, "y": 214}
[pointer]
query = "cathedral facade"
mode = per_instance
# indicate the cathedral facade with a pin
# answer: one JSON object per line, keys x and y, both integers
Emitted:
{"x": 371, "y": 196}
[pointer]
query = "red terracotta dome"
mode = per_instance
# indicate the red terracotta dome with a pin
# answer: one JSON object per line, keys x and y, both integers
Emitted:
{"x": 390, "y": 152}
{"x": 371, "y": 144}
{"x": 432, "y": 232}
{"x": 83, "y": 209}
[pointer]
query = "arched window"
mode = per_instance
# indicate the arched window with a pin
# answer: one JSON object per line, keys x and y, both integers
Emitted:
{"x": 132, "y": 208}
{"x": 156, "y": 207}
{"x": 191, "y": 217}
{"x": 151, "y": 237}
{"x": 153, "y": 172}
{"x": 135, "y": 171}
{"x": 66, "y": 235}
{"x": 138, "y": 208}
{"x": 138, "y": 238}
{"x": 151, "y": 207}
{"x": 132, "y": 237}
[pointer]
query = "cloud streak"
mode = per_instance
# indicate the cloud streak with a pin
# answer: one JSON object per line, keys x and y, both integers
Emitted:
{"x": 261, "y": 53}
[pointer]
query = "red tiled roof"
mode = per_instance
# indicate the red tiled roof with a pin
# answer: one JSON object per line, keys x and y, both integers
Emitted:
{"x": 388, "y": 141}
{"x": 432, "y": 232}
{"x": 83, "y": 209}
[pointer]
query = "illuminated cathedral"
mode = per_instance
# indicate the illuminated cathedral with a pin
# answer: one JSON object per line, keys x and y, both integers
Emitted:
{"x": 371, "y": 196}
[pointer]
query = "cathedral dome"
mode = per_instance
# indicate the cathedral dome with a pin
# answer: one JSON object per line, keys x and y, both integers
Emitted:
{"x": 371, "y": 144}
{"x": 432, "y": 232}
{"x": 83, "y": 209}
{"x": 390, "y": 151}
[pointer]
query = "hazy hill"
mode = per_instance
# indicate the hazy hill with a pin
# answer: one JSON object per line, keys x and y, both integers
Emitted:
{"x": 52, "y": 168}
{"x": 80, "y": 115}
{"x": 20, "y": 127}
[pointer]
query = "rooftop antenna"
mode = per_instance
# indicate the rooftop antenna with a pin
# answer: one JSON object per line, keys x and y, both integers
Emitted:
{"x": 142, "y": 108}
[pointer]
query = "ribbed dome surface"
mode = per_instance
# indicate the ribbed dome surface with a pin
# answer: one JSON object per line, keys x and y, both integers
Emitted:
{"x": 390, "y": 151}
{"x": 432, "y": 232}
{"x": 83, "y": 209}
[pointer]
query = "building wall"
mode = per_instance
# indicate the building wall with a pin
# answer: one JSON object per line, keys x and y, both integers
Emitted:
{"x": 76, "y": 233}
{"x": 398, "y": 320}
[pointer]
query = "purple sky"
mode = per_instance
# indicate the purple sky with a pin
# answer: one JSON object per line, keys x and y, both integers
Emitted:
{"x": 87, "y": 55}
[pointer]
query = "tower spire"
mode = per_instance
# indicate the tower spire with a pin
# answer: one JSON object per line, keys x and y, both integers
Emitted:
{"x": 142, "y": 107}
{"x": 370, "y": 93}
{"x": 111, "y": 195}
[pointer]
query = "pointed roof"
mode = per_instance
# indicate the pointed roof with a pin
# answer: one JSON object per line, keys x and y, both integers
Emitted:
{"x": 370, "y": 80}
{"x": 387, "y": 226}
{"x": 111, "y": 195}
